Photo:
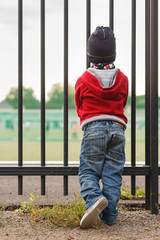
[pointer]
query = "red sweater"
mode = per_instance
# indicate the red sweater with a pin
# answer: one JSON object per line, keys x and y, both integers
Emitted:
{"x": 92, "y": 99}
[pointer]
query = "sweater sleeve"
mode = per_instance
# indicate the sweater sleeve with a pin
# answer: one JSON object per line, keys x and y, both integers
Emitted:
{"x": 78, "y": 96}
{"x": 126, "y": 95}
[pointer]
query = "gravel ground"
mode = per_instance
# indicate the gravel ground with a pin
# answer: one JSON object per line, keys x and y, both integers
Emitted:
{"x": 131, "y": 224}
{"x": 139, "y": 224}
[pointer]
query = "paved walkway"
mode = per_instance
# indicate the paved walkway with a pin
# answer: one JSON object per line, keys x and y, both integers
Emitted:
{"x": 54, "y": 189}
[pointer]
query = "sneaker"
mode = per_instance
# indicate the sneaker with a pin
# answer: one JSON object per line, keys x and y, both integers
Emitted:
{"x": 91, "y": 215}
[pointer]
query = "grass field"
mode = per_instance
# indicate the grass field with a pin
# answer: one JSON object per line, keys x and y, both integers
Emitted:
{"x": 54, "y": 142}
{"x": 54, "y": 151}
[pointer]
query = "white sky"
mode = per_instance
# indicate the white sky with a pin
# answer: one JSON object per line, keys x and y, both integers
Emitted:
{"x": 54, "y": 41}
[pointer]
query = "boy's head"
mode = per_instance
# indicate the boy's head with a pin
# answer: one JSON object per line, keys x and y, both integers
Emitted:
{"x": 102, "y": 46}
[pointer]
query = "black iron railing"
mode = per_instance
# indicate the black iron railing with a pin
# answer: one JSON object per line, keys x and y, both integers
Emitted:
{"x": 147, "y": 100}
{"x": 150, "y": 170}
{"x": 154, "y": 106}
{"x": 133, "y": 96}
{"x": 66, "y": 94}
{"x": 20, "y": 91}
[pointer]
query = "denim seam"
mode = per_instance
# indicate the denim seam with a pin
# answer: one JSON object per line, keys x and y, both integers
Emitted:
{"x": 104, "y": 129}
{"x": 94, "y": 137}
{"x": 117, "y": 128}
{"x": 95, "y": 129}
{"x": 118, "y": 157}
{"x": 119, "y": 136}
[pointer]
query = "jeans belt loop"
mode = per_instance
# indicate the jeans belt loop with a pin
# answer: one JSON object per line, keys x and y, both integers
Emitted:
{"x": 107, "y": 125}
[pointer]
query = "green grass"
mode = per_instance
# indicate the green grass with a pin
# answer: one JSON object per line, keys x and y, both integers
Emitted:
{"x": 35, "y": 135}
{"x": 54, "y": 142}
{"x": 54, "y": 151}
{"x": 32, "y": 151}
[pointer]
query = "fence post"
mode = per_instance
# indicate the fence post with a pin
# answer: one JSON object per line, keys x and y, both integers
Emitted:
{"x": 147, "y": 100}
{"x": 65, "y": 179}
{"x": 88, "y": 28}
{"x": 154, "y": 107}
{"x": 111, "y": 14}
{"x": 133, "y": 96}
{"x": 43, "y": 93}
{"x": 20, "y": 93}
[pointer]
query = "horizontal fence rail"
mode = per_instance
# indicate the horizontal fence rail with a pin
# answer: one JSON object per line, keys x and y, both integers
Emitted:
{"x": 66, "y": 171}
{"x": 150, "y": 170}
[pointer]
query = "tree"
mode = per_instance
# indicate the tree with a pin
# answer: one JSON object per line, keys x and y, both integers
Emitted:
{"x": 29, "y": 100}
{"x": 71, "y": 102}
{"x": 140, "y": 101}
{"x": 12, "y": 97}
{"x": 56, "y": 97}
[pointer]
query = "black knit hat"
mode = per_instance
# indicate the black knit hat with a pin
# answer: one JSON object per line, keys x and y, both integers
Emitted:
{"x": 101, "y": 46}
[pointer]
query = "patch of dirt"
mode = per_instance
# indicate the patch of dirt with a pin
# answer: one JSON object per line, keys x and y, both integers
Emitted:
{"x": 138, "y": 224}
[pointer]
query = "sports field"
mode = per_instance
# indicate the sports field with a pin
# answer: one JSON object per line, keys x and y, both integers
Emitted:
{"x": 54, "y": 138}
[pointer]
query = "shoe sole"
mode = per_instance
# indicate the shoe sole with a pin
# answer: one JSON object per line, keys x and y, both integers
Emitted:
{"x": 90, "y": 217}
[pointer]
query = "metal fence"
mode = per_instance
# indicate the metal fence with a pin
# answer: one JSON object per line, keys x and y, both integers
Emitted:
{"x": 150, "y": 170}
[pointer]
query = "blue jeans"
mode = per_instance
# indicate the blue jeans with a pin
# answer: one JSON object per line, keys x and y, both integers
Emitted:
{"x": 102, "y": 157}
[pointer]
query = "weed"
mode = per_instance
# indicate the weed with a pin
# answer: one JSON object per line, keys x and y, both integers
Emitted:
{"x": 27, "y": 207}
{"x": 65, "y": 215}
{"x": 3, "y": 208}
{"x": 126, "y": 193}
{"x": 60, "y": 215}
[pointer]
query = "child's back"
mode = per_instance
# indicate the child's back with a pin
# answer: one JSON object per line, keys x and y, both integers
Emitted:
{"x": 100, "y": 95}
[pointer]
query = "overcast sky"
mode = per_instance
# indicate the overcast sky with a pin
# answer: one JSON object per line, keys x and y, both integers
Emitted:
{"x": 54, "y": 41}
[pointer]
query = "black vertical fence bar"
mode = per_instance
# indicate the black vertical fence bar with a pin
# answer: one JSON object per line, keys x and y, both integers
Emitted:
{"x": 65, "y": 93}
{"x": 88, "y": 27}
{"x": 20, "y": 92}
{"x": 147, "y": 100}
{"x": 133, "y": 96}
{"x": 42, "y": 93}
{"x": 154, "y": 107}
{"x": 111, "y": 14}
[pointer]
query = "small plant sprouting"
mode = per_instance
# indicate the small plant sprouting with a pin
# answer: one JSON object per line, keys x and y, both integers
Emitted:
{"x": 126, "y": 193}
{"x": 27, "y": 207}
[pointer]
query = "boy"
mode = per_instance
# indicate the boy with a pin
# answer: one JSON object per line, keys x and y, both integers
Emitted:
{"x": 100, "y": 96}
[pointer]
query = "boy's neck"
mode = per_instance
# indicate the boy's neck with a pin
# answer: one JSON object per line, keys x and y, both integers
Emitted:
{"x": 103, "y": 66}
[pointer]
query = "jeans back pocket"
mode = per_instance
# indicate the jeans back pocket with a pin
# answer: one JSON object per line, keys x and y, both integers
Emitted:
{"x": 116, "y": 147}
{"x": 94, "y": 147}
